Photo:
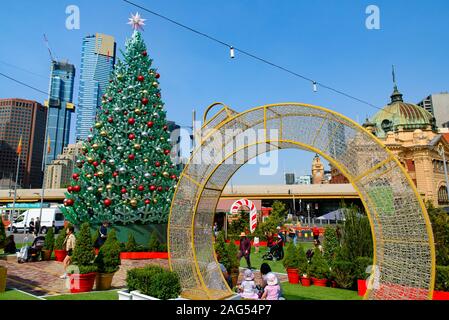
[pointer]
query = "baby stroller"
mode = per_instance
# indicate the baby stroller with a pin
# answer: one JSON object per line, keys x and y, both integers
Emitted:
{"x": 31, "y": 254}
{"x": 274, "y": 253}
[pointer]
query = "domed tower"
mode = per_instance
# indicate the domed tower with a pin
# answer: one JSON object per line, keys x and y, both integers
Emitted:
{"x": 317, "y": 170}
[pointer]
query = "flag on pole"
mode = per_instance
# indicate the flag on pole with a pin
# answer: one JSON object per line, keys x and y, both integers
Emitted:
{"x": 19, "y": 146}
{"x": 48, "y": 144}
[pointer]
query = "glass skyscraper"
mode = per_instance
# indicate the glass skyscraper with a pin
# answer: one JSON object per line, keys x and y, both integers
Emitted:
{"x": 60, "y": 108}
{"x": 97, "y": 63}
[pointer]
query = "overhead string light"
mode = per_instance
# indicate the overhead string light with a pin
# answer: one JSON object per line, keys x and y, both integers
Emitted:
{"x": 231, "y": 52}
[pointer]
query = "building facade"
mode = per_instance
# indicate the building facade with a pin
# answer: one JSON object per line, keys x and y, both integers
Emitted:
{"x": 26, "y": 119}
{"x": 60, "y": 108}
{"x": 59, "y": 173}
{"x": 438, "y": 106}
{"x": 97, "y": 63}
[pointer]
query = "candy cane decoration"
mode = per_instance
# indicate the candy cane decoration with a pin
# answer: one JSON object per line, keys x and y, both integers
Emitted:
{"x": 252, "y": 214}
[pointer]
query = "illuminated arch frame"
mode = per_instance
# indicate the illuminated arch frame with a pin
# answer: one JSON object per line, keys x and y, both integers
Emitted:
{"x": 403, "y": 248}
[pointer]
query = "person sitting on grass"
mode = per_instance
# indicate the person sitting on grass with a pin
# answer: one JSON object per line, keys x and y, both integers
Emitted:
{"x": 265, "y": 269}
{"x": 248, "y": 286}
{"x": 273, "y": 290}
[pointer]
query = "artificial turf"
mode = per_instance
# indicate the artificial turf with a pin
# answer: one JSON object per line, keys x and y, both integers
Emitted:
{"x": 16, "y": 295}
{"x": 298, "y": 292}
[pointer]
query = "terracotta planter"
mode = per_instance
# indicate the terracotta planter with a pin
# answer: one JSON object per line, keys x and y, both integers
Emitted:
{"x": 82, "y": 282}
{"x": 103, "y": 281}
{"x": 234, "y": 277}
{"x": 305, "y": 282}
{"x": 143, "y": 255}
{"x": 319, "y": 282}
{"x": 437, "y": 295}
{"x": 60, "y": 255}
{"x": 293, "y": 275}
{"x": 46, "y": 255}
{"x": 361, "y": 287}
{"x": 3, "y": 273}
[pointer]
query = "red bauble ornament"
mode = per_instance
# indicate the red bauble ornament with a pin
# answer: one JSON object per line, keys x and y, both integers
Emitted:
{"x": 140, "y": 78}
{"x": 75, "y": 176}
{"x": 103, "y": 161}
{"x": 152, "y": 188}
{"x": 157, "y": 76}
{"x": 154, "y": 174}
{"x": 76, "y": 188}
{"x": 165, "y": 127}
{"x": 157, "y": 164}
{"x": 131, "y": 121}
{"x": 150, "y": 124}
{"x": 119, "y": 90}
{"x": 141, "y": 188}
{"x": 95, "y": 164}
{"x": 131, "y": 157}
{"x": 131, "y": 136}
{"x": 110, "y": 81}
{"x": 69, "y": 189}
{"x": 115, "y": 174}
{"x": 145, "y": 101}
{"x": 167, "y": 188}
{"x": 123, "y": 190}
{"x": 144, "y": 53}
{"x": 107, "y": 202}
{"x": 69, "y": 202}
{"x": 166, "y": 151}
{"x": 125, "y": 113}
{"x": 147, "y": 201}
{"x": 159, "y": 188}
{"x": 110, "y": 120}
{"x": 109, "y": 99}
{"x": 95, "y": 174}
{"x": 173, "y": 176}
{"x": 158, "y": 95}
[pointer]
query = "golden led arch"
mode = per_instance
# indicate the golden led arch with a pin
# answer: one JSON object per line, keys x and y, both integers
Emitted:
{"x": 403, "y": 242}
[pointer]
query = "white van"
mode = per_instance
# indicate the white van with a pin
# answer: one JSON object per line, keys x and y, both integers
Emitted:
{"x": 51, "y": 217}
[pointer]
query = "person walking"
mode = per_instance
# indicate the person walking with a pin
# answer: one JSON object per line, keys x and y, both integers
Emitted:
{"x": 31, "y": 226}
{"x": 316, "y": 233}
{"x": 37, "y": 227}
{"x": 102, "y": 235}
{"x": 245, "y": 249}
{"x": 69, "y": 245}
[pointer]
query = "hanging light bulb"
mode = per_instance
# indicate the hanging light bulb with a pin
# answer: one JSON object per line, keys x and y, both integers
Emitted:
{"x": 231, "y": 52}
{"x": 315, "y": 89}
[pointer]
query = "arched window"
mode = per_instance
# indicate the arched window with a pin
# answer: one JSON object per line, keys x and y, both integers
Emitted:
{"x": 442, "y": 196}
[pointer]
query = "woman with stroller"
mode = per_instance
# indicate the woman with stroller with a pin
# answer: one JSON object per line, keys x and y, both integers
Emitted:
{"x": 69, "y": 245}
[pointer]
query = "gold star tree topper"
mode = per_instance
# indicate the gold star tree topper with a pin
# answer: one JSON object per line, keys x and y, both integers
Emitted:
{"x": 136, "y": 21}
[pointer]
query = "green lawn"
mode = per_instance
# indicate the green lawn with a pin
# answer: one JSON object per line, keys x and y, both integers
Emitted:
{"x": 298, "y": 292}
{"x": 16, "y": 295}
{"x": 276, "y": 266}
{"x": 94, "y": 295}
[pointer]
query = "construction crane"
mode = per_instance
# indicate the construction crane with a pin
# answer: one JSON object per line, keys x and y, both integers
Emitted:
{"x": 48, "y": 47}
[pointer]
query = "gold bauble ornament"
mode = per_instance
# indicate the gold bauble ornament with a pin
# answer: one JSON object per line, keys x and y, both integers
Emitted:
{"x": 137, "y": 146}
{"x": 154, "y": 200}
{"x": 98, "y": 125}
{"x": 165, "y": 162}
{"x": 109, "y": 187}
{"x": 155, "y": 84}
{"x": 90, "y": 159}
{"x": 100, "y": 174}
{"x": 133, "y": 202}
{"x": 95, "y": 146}
{"x": 165, "y": 174}
{"x": 145, "y": 160}
{"x": 100, "y": 190}
{"x": 144, "y": 91}
{"x": 84, "y": 149}
{"x": 103, "y": 133}
{"x": 89, "y": 176}
{"x": 162, "y": 138}
{"x": 137, "y": 111}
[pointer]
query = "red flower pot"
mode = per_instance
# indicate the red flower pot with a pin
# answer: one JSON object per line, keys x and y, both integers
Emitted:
{"x": 293, "y": 275}
{"x": 82, "y": 282}
{"x": 319, "y": 282}
{"x": 440, "y": 295}
{"x": 60, "y": 255}
{"x": 305, "y": 282}
{"x": 361, "y": 286}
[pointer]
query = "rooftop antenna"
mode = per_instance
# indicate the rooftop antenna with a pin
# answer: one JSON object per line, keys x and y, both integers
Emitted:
{"x": 48, "y": 47}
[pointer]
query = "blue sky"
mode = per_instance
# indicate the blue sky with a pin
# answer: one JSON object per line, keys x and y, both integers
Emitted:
{"x": 324, "y": 40}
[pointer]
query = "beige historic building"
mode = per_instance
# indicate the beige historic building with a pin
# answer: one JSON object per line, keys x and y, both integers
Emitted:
{"x": 58, "y": 174}
{"x": 411, "y": 133}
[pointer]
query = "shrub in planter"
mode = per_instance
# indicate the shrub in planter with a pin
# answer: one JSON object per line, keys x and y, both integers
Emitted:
{"x": 342, "y": 273}
{"x": 83, "y": 262}
{"x": 49, "y": 244}
{"x": 60, "y": 252}
{"x": 319, "y": 269}
{"x": 291, "y": 263}
{"x": 442, "y": 278}
{"x": 108, "y": 261}
{"x": 154, "y": 245}
{"x": 131, "y": 244}
{"x": 360, "y": 266}
{"x": 154, "y": 281}
{"x": 234, "y": 262}
{"x": 330, "y": 245}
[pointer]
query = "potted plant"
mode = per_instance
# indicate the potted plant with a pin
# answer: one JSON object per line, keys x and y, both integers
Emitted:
{"x": 234, "y": 262}
{"x": 342, "y": 273}
{"x": 319, "y": 269}
{"x": 60, "y": 252}
{"x": 83, "y": 271}
{"x": 360, "y": 266}
{"x": 441, "y": 283}
{"x": 107, "y": 261}
{"x": 291, "y": 263}
{"x": 303, "y": 266}
{"x": 3, "y": 273}
{"x": 152, "y": 283}
{"x": 49, "y": 244}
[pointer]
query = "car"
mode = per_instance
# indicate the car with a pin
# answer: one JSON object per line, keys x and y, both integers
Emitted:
{"x": 50, "y": 217}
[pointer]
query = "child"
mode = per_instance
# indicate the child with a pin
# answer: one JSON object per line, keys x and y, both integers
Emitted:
{"x": 256, "y": 244}
{"x": 272, "y": 290}
{"x": 248, "y": 286}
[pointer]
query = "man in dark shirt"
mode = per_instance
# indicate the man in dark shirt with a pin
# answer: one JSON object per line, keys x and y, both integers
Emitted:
{"x": 245, "y": 249}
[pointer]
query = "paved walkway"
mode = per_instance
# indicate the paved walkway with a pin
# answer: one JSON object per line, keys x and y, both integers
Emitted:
{"x": 42, "y": 278}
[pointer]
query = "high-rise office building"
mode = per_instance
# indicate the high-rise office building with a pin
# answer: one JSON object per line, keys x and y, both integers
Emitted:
{"x": 59, "y": 173}
{"x": 97, "y": 63}
{"x": 60, "y": 108}
{"x": 289, "y": 178}
{"x": 20, "y": 118}
{"x": 438, "y": 106}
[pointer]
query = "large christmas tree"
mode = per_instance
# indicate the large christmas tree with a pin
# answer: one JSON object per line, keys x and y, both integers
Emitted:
{"x": 124, "y": 173}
